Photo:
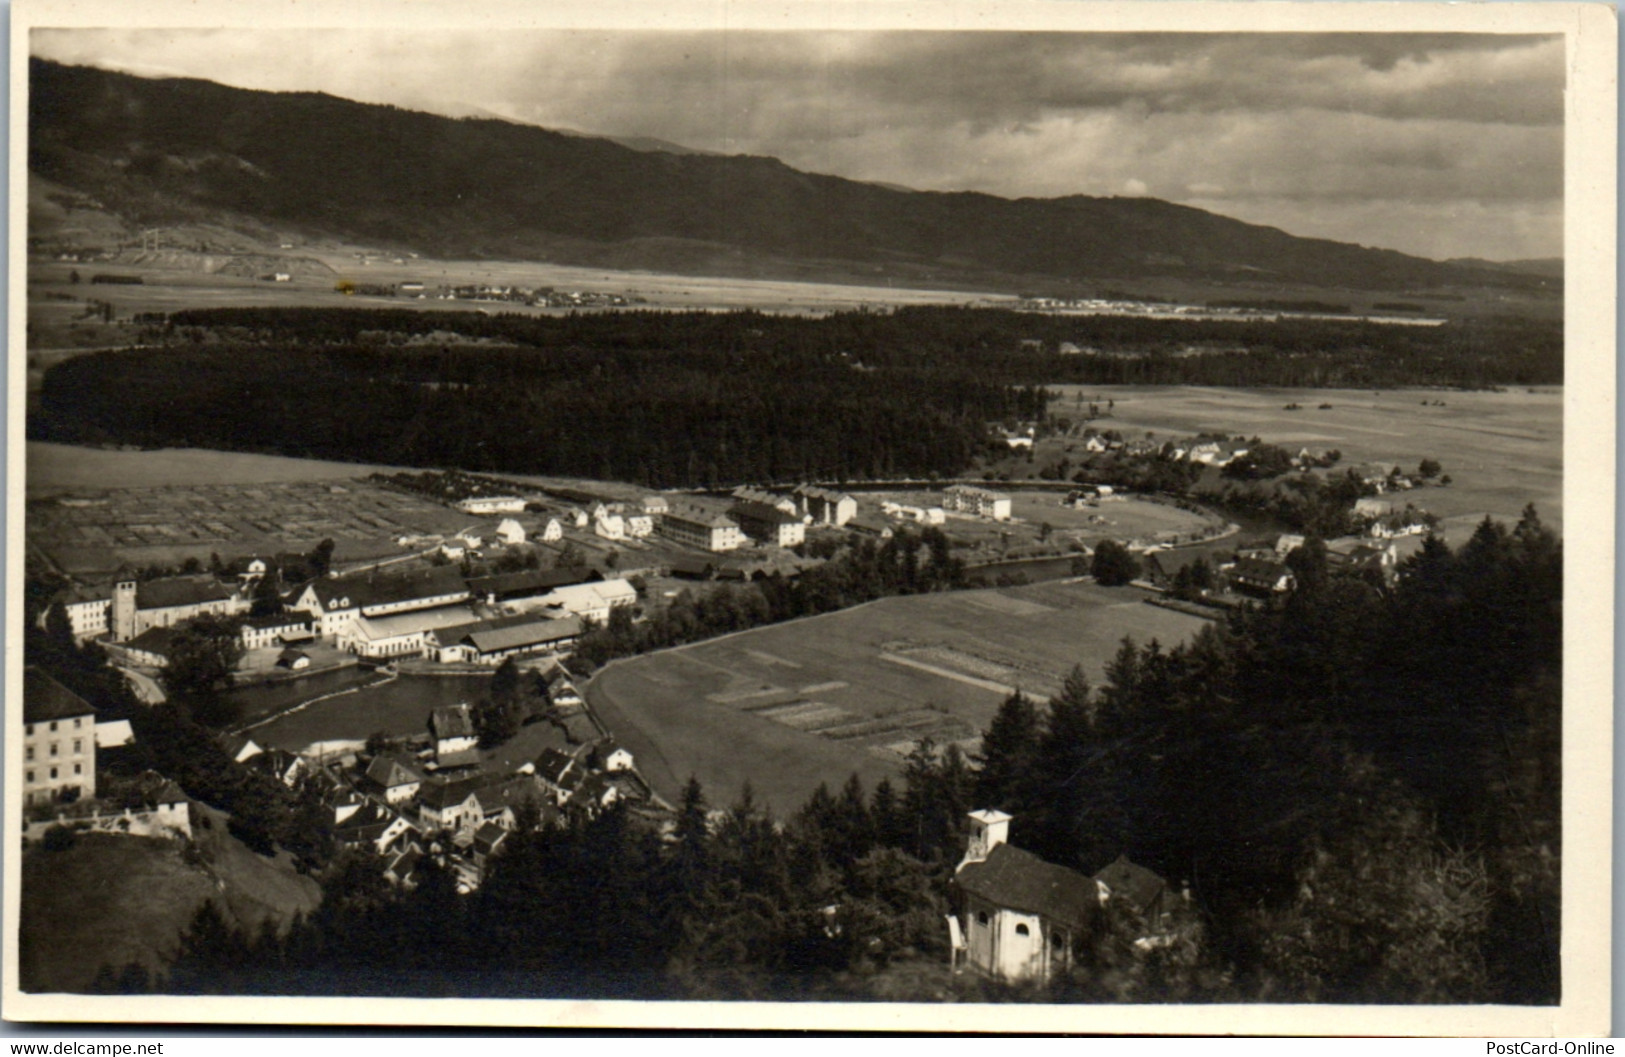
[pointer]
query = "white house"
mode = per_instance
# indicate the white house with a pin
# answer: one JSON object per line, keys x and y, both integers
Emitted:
{"x": 609, "y": 526}
{"x": 609, "y": 756}
{"x": 395, "y": 777}
{"x": 510, "y": 532}
{"x": 89, "y": 611}
{"x": 983, "y": 502}
{"x": 640, "y": 526}
{"x": 262, "y": 632}
{"x": 553, "y": 532}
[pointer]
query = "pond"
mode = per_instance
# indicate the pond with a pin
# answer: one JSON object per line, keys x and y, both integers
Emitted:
{"x": 399, "y": 706}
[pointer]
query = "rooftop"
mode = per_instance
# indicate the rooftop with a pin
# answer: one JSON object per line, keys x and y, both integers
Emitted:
{"x": 452, "y": 721}
{"x": 1132, "y": 882}
{"x": 393, "y": 624}
{"x": 756, "y": 511}
{"x": 1020, "y": 880}
{"x": 375, "y": 590}
{"x": 45, "y": 699}
{"x": 180, "y": 591}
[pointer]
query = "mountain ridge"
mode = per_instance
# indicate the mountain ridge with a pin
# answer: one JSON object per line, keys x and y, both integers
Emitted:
{"x": 171, "y": 150}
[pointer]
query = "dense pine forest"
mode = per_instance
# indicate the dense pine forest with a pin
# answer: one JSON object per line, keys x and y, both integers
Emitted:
{"x": 1360, "y": 785}
{"x": 685, "y": 399}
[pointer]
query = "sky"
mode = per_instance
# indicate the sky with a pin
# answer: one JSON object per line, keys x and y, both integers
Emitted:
{"x": 1444, "y": 145}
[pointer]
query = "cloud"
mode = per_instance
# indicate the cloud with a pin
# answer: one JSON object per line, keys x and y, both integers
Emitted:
{"x": 1294, "y": 128}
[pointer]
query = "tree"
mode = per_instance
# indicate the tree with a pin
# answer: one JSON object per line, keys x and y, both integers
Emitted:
{"x": 505, "y": 681}
{"x": 569, "y": 557}
{"x": 202, "y": 659}
{"x": 1429, "y": 469}
{"x": 267, "y": 601}
{"x": 1008, "y": 755}
{"x": 320, "y": 558}
{"x": 1114, "y": 566}
{"x": 496, "y": 721}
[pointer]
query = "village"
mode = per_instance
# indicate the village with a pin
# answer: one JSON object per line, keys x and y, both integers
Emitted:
{"x": 515, "y": 590}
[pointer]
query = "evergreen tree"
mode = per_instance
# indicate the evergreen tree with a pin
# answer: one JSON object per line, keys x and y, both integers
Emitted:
{"x": 1008, "y": 756}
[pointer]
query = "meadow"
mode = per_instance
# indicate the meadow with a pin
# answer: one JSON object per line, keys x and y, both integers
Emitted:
{"x": 1502, "y": 450}
{"x": 789, "y": 706}
{"x": 56, "y": 468}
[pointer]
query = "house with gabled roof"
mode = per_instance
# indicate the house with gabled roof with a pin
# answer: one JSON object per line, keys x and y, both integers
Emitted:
{"x": 608, "y": 755}
{"x": 394, "y": 777}
{"x": 286, "y": 767}
{"x": 451, "y": 728}
{"x": 560, "y": 774}
{"x": 1148, "y": 895}
{"x": 1019, "y": 917}
{"x": 446, "y": 805}
{"x": 487, "y": 840}
{"x": 1259, "y": 577}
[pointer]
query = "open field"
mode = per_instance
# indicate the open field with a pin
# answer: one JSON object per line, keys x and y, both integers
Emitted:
{"x": 788, "y": 706}
{"x": 168, "y": 285}
{"x": 1502, "y": 449}
{"x": 57, "y": 468}
{"x": 91, "y": 531}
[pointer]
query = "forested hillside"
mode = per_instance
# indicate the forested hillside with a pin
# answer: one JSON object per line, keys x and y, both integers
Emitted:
{"x": 675, "y": 399}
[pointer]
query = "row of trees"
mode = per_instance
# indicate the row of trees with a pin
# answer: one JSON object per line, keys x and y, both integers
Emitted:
{"x": 1019, "y": 348}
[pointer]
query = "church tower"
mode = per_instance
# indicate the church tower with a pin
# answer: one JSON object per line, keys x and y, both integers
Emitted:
{"x": 989, "y": 828}
{"x": 124, "y": 610}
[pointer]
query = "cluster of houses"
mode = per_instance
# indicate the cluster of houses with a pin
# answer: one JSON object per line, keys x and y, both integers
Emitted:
{"x": 1262, "y": 571}
{"x": 436, "y": 798}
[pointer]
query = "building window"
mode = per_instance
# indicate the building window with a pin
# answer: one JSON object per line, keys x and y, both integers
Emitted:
{"x": 78, "y": 746}
{"x": 78, "y": 769}
{"x": 28, "y": 754}
{"x": 77, "y": 723}
{"x": 53, "y": 726}
{"x": 29, "y": 775}
{"x": 981, "y": 917}
{"x": 53, "y": 748}
{"x": 53, "y": 774}
{"x": 1021, "y": 930}
{"x": 29, "y": 730}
